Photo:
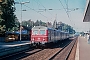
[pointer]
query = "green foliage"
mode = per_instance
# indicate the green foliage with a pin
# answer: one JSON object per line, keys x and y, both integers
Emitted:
{"x": 67, "y": 28}
{"x": 62, "y": 26}
{"x": 30, "y": 23}
{"x": 8, "y": 14}
{"x": 2, "y": 28}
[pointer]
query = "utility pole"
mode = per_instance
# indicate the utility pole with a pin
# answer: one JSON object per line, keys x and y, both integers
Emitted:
{"x": 21, "y": 3}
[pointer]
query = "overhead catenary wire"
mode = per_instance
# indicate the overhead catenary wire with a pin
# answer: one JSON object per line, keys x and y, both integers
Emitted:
{"x": 52, "y": 9}
{"x": 66, "y": 2}
{"x": 66, "y": 10}
{"x": 37, "y": 11}
{"x": 43, "y": 7}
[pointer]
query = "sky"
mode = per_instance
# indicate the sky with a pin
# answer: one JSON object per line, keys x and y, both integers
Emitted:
{"x": 70, "y": 12}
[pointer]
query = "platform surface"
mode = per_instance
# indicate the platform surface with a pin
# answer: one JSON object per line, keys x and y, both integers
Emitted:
{"x": 83, "y": 49}
{"x": 7, "y": 48}
{"x": 12, "y": 44}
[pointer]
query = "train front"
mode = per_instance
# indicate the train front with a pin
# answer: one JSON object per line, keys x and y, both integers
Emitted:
{"x": 38, "y": 35}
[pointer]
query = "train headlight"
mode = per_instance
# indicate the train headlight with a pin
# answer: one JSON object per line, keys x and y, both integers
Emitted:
{"x": 43, "y": 39}
{"x": 33, "y": 38}
{"x": 32, "y": 41}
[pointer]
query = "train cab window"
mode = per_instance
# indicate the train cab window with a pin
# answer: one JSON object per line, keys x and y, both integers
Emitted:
{"x": 42, "y": 32}
{"x": 35, "y": 32}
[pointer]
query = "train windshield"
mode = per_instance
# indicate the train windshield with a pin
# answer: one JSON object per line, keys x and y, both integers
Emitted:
{"x": 35, "y": 32}
{"x": 42, "y": 32}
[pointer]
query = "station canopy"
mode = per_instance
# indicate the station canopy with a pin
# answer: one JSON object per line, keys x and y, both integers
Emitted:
{"x": 87, "y": 12}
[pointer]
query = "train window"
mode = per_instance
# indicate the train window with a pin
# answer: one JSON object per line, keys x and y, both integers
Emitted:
{"x": 35, "y": 32}
{"x": 42, "y": 32}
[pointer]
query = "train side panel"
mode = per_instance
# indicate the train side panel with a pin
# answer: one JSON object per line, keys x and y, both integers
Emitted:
{"x": 43, "y": 35}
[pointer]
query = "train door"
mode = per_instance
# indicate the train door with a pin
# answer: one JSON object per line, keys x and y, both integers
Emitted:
{"x": 49, "y": 35}
{"x": 60, "y": 36}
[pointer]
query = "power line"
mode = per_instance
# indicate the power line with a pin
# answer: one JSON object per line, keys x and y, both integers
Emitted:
{"x": 36, "y": 11}
{"x": 42, "y": 5}
{"x": 66, "y": 11}
{"x": 69, "y": 10}
{"x": 66, "y": 2}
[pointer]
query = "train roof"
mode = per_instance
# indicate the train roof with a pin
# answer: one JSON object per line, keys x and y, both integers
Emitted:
{"x": 42, "y": 27}
{"x": 46, "y": 28}
{"x": 39, "y": 27}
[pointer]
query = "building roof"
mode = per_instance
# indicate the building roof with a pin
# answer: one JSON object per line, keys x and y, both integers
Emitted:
{"x": 87, "y": 12}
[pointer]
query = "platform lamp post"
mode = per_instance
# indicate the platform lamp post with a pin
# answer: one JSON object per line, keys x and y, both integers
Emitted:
{"x": 21, "y": 3}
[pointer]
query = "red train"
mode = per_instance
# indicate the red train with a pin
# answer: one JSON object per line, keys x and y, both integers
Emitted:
{"x": 43, "y": 35}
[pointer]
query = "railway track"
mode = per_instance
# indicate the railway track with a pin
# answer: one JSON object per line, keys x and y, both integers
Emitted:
{"x": 20, "y": 54}
{"x": 42, "y": 54}
{"x": 47, "y": 53}
{"x": 64, "y": 53}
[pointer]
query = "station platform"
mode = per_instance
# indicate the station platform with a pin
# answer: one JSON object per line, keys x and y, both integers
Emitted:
{"x": 12, "y": 47}
{"x": 83, "y": 49}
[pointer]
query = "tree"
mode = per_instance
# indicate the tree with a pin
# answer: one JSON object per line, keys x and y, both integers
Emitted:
{"x": 39, "y": 23}
{"x": 36, "y": 23}
{"x": 66, "y": 28}
{"x": 28, "y": 23}
{"x": 17, "y": 24}
{"x": 8, "y": 15}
